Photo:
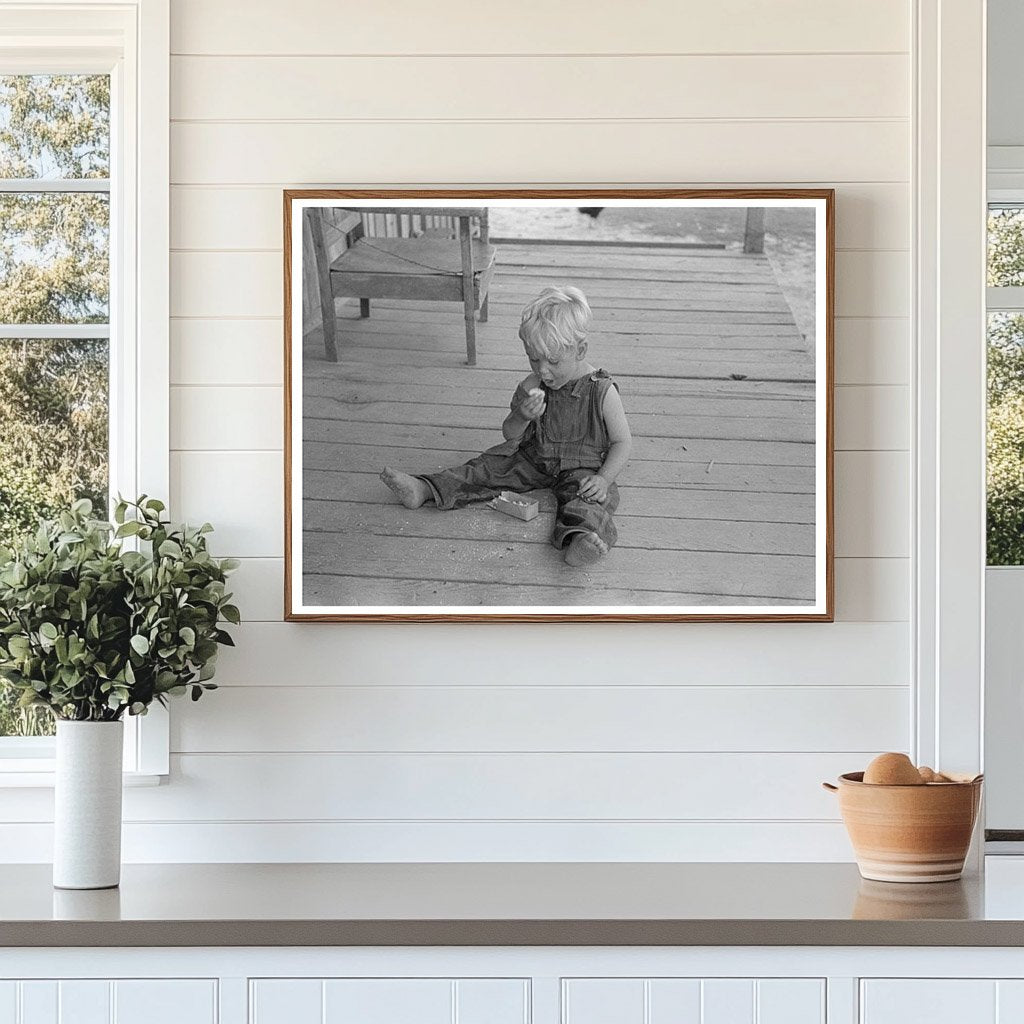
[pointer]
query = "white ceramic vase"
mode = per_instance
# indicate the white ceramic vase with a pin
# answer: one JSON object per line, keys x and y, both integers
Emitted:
{"x": 87, "y": 806}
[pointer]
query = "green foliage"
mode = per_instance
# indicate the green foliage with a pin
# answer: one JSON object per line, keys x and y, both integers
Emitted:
{"x": 54, "y": 126}
{"x": 53, "y": 447}
{"x": 19, "y": 721}
{"x": 53, "y": 269}
{"x": 91, "y": 630}
{"x": 1005, "y": 247}
{"x": 54, "y": 247}
{"x": 1006, "y": 482}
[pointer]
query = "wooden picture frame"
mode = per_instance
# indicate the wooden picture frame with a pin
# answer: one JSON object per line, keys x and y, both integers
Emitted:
{"x": 740, "y": 338}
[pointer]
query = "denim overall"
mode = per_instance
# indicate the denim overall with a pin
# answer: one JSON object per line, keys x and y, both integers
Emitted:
{"x": 568, "y": 443}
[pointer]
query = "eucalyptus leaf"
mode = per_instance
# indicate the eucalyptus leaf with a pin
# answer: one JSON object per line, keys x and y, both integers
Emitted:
{"x": 93, "y": 631}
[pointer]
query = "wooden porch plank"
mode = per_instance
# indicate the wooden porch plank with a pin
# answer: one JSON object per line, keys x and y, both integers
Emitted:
{"x": 355, "y": 374}
{"x": 360, "y": 591}
{"x": 735, "y": 506}
{"x": 788, "y": 348}
{"x": 659, "y": 449}
{"x": 610, "y": 310}
{"x": 644, "y": 362}
{"x": 370, "y": 458}
{"x": 479, "y": 523}
{"x": 785, "y": 576}
{"x": 709, "y": 425}
{"x": 506, "y": 326}
{"x": 384, "y": 396}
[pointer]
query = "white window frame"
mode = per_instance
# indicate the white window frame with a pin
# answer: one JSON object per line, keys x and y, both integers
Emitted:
{"x": 949, "y": 395}
{"x": 1005, "y": 805}
{"x": 130, "y": 41}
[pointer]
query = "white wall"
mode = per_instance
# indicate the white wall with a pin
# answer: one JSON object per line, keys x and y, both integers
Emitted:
{"x": 1005, "y": 81}
{"x": 662, "y": 741}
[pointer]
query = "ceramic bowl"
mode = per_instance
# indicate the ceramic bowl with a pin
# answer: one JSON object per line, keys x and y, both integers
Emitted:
{"x": 909, "y": 833}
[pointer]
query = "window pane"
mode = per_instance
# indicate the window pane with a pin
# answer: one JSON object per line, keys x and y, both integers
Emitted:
{"x": 54, "y": 126}
{"x": 53, "y": 449}
{"x": 1006, "y": 439}
{"x": 1005, "y": 246}
{"x": 54, "y": 257}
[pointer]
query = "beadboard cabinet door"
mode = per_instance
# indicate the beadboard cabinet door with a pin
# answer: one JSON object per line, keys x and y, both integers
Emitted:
{"x": 942, "y": 1001}
{"x": 388, "y": 1001}
{"x": 693, "y": 1001}
{"x": 101, "y": 1001}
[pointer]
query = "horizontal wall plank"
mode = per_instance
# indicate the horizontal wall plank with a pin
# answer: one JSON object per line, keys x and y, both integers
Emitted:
{"x": 230, "y": 88}
{"x": 376, "y": 787}
{"x": 239, "y": 352}
{"x": 578, "y": 718}
{"x": 241, "y": 493}
{"x": 458, "y": 26}
{"x": 534, "y": 152}
{"x": 249, "y": 283}
{"x": 235, "y": 418}
{"x": 872, "y": 503}
{"x": 227, "y": 352}
{"x": 868, "y": 216}
{"x": 872, "y": 351}
{"x": 872, "y": 419}
{"x": 872, "y": 589}
{"x": 873, "y": 283}
{"x": 258, "y": 585}
{"x": 349, "y": 654}
{"x": 461, "y": 842}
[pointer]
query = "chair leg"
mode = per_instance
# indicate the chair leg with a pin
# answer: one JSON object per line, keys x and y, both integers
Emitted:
{"x": 470, "y": 317}
{"x": 483, "y": 309}
{"x": 364, "y": 308}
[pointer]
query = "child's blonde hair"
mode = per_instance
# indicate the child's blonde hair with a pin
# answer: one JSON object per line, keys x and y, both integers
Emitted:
{"x": 555, "y": 322}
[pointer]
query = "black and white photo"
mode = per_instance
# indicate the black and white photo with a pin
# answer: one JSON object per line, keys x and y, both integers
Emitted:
{"x": 574, "y": 405}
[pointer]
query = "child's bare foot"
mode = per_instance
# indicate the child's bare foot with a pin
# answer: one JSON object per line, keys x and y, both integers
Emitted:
{"x": 585, "y": 549}
{"x": 411, "y": 492}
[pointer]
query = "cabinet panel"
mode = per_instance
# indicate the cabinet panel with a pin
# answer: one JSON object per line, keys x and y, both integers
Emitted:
{"x": 283, "y": 1001}
{"x": 165, "y": 1002}
{"x": 928, "y": 1001}
{"x": 603, "y": 1001}
{"x": 8, "y": 1002}
{"x": 38, "y": 1002}
{"x": 790, "y": 1001}
{"x": 674, "y": 1000}
{"x": 1010, "y": 1002}
{"x": 693, "y": 1001}
{"x": 84, "y": 1002}
{"x": 492, "y": 1001}
{"x": 389, "y": 1001}
{"x": 727, "y": 1001}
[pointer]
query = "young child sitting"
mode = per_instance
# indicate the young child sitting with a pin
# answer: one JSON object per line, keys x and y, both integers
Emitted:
{"x": 567, "y": 430}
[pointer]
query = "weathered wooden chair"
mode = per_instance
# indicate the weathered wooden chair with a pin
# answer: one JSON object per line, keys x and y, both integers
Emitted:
{"x": 425, "y": 267}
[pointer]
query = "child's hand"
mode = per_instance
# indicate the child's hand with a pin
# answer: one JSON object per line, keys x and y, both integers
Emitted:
{"x": 532, "y": 407}
{"x": 594, "y": 488}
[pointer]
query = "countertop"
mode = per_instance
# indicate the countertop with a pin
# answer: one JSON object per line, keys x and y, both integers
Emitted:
{"x": 556, "y": 904}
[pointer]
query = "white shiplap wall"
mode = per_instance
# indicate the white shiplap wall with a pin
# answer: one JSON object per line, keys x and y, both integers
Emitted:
{"x": 604, "y": 742}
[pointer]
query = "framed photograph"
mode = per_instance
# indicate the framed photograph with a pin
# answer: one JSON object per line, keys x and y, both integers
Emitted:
{"x": 569, "y": 405}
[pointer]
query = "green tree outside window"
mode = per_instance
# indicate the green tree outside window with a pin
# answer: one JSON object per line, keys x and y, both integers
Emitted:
{"x": 1005, "y": 479}
{"x": 54, "y": 271}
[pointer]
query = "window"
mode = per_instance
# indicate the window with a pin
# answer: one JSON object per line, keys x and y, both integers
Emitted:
{"x": 1005, "y": 478}
{"x": 54, "y": 309}
{"x": 84, "y": 124}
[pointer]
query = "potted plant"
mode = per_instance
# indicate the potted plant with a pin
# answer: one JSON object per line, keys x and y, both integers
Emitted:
{"x": 92, "y": 631}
